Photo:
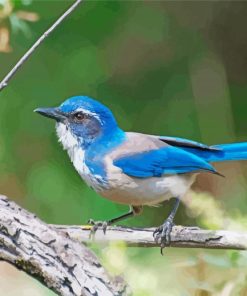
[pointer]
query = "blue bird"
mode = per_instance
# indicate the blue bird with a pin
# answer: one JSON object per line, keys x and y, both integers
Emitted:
{"x": 132, "y": 168}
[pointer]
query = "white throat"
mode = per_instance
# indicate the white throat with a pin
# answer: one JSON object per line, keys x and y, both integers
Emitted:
{"x": 65, "y": 136}
{"x": 70, "y": 143}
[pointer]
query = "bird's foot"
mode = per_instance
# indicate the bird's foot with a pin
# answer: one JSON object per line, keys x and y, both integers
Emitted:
{"x": 96, "y": 225}
{"x": 162, "y": 234}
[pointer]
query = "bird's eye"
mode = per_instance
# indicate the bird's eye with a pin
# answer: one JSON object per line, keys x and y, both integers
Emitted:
{"x": 79, "y": 116}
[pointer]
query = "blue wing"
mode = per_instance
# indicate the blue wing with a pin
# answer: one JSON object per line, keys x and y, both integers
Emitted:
{"x": 166, "y": 160}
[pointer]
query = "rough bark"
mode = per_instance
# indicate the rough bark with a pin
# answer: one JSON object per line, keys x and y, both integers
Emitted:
{"x": 56, "y": 255}
{"x": 51, "y": 256}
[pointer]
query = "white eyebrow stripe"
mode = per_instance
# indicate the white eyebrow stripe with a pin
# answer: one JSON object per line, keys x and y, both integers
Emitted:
{"x": 89, "y": 113}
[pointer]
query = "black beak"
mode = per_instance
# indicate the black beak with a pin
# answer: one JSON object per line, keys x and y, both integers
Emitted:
{"x": 53, "y": 113}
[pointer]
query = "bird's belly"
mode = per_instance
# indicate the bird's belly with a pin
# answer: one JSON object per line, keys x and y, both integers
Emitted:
{"x": 146, "y": 191}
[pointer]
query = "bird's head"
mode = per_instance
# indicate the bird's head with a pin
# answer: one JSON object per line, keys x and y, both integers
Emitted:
{"x": 80, "y": 120}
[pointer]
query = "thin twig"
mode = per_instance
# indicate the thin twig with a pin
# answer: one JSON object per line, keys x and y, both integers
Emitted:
{"x": 6, "y": 79}
{"x": 181, "y": 237}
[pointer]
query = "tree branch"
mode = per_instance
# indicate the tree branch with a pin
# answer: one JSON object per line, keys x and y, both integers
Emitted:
{"x": 56, "y": 255}
{"x": 49, "y": 255}
{"x": 181, "y": 237}
{"x": 6, "y": 79}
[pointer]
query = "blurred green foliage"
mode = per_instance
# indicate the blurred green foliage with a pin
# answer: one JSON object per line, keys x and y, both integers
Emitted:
{"x": 167, "y": 68}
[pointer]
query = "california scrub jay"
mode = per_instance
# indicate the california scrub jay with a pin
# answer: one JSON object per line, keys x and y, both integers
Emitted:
{"x": 132, "y": 168}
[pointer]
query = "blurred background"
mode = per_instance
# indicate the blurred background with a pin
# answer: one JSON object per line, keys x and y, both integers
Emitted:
{"x": 175, "y": 68}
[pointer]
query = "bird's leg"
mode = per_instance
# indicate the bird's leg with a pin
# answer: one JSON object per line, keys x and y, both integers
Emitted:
{"x": 163, "y": 232}
{"x": 134, "y": 211}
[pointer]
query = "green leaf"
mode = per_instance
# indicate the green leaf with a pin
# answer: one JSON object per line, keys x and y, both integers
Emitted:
{"x": 19, "y": 25}
{"x": 21, "y": 2}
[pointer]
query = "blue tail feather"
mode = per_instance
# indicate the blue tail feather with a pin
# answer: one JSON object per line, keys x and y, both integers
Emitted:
{"x": 222, "y": 152}
{"x": 235, "y": 151}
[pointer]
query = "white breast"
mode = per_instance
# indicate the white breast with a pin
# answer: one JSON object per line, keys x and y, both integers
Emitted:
{"x": 144, "y": 191}
{"x": 77, "y": 156}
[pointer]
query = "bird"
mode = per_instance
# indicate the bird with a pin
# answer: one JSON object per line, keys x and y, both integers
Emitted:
{"x": 133, "y": 168}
